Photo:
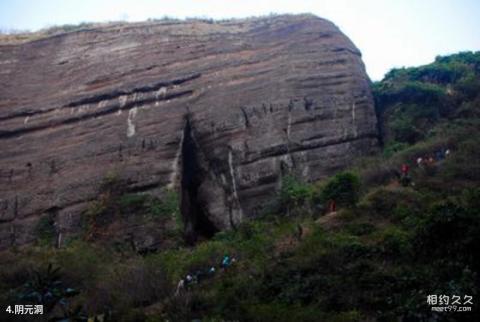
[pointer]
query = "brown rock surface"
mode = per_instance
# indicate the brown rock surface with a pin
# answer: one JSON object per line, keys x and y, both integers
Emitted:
{"x": 217, "y": 111}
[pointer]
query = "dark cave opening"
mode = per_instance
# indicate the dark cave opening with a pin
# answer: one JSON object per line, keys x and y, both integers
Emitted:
{"x": 196, "y": 223}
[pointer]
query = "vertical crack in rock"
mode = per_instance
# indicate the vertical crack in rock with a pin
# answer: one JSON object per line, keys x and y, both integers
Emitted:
{"x": 15, "y": 207}
{"x": 289, "y": 157}
{"x": 245, "y": 116}
{"x": 176, "y": 164}
{"x": 196, "y": 222}
{"x": 235, "y": 209}
{"x": 355, "y": 133}
{"x": 13, "y": 235}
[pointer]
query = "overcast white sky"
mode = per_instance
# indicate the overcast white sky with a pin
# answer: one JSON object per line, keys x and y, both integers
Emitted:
{"x": 390, "y": 33}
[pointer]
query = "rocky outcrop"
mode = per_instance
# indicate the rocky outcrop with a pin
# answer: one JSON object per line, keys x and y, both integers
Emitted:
{"x": 217, "y": 111}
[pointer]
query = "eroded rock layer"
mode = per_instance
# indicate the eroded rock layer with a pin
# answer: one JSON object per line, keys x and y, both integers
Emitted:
{"x": 239, "y": 102}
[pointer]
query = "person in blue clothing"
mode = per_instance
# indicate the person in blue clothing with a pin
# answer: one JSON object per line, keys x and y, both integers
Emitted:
{"x": 211, "y": 271}
{"x": 226, "y": 261}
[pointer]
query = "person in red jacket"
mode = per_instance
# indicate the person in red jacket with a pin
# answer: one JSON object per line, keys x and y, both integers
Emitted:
{"x": 405, "y": 179}
{"x": 332, "y": 207}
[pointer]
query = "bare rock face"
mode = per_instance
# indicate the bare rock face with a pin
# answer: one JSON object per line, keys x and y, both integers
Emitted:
{"x": 217, "y": 111}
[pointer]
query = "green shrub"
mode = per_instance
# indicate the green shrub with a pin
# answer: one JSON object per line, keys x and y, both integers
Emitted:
{"x": 45, "y": 229}
{"x": 167, "y": 206}
{"x": 112, "y": 184}
{"x": 464, "y": 162}
{"x": 360, "y": 229}
{"x": 67, "y": 28}
{"x": 443, "y": 215}
{"x": 408, "y": 123}
{"x": 343, "y": 188}
{"x": 178, "y": 308}
{"x": 407, "y": 92}
{"x": 455, "y": 228}
{"x": 385, "y": 202}
{"x": 281, "y": 312}
{"x": 178, "y": 262}
{"x": 293, "y": 192}
{"x": 45, "y": 287}
{"x": 127, "y": 285}
{"x": 470, "y": 199}
{"x": 115, "y": 204}
{"x": 410, "y": 101}
{"x": 395, "y": 242}
{"x": 82, "y": 262}
{"x": 132, "y": 202}
{"x": 394, "y": 147}
{"x": 469, "y": 86}
{"x": 375, "y": 171}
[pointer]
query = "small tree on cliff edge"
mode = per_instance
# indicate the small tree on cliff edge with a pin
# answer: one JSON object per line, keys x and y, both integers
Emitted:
{"x": 294, "y": 194}
{"x": 343, "y": 188}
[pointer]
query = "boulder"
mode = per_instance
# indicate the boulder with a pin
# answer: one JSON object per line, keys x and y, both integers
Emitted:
{"x": 217, "y": 111}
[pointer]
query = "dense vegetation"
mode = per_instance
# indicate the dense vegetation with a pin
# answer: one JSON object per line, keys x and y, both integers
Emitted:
{"x": 378, "y": 257}
{"x": 411, "y": 101}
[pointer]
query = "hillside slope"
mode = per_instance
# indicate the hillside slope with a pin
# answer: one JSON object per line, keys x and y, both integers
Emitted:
{"x": 393, "y": 240}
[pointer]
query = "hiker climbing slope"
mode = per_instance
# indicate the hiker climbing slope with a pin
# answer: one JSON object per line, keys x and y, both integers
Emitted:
{"x": 405, "y": 178}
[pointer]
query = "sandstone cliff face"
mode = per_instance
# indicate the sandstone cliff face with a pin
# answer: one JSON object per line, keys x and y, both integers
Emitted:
{"x": 216, "y": 111}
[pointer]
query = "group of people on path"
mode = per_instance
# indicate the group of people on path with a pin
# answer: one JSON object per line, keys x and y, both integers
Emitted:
{"x": 429, "y": 160}
{"x": 199, "y": 275}
{"x": 422, "y": 162}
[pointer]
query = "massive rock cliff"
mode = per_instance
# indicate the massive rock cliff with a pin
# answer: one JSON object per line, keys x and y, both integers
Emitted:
{"x": 217, "y": 111}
